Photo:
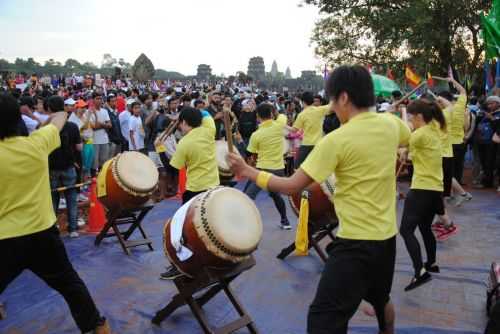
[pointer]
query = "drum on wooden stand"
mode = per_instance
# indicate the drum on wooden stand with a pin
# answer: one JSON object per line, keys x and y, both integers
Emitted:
{"x": 129, "y": 179}
{"x": 321, "y": 208}
{"x": 220, "y": 227}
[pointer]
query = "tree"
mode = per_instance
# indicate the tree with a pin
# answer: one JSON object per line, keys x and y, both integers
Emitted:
{"x": 166, "y": 75}
{"x": 72, "y": 64}
{"x": 429, "y": 34}
{"x": 143, "y": 69}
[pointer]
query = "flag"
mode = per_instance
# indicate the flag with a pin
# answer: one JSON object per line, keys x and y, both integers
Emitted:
{"x": 390, "y": 75}
{"x": 430, "y": 80}
{"x": 450, "y": 72}
{"x": 369, "y": 68}
{"x": 490, "y": 31}
{"x": 411, "y": 77}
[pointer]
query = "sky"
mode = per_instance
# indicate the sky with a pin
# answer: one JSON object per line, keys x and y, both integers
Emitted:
{"x": 175, "y": 34}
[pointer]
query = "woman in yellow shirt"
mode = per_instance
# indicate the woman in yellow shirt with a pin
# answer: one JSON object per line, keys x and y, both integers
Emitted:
{"x": 424, "y": 200}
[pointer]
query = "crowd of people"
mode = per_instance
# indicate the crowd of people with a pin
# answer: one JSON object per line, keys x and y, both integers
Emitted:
{"x": 343, "y": 136}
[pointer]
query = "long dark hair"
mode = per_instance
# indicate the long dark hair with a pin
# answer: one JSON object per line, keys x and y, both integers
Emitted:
{"x": 429, "y": 110}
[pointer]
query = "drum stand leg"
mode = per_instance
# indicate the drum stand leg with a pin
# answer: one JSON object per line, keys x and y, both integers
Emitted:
{"x": 134, "y": 218}
{"x": 217, "y": 281}
{"x": 315, "y": 236}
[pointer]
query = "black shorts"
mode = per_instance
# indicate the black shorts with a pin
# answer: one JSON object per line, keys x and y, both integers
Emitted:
{"x": 304, "y": 151}
{"x": 355, "y": 270}
{"x": 447, "y": 176}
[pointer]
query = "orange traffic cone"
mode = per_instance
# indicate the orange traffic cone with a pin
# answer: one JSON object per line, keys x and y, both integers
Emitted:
{"x": 97, "y": 217}
{"x": 182, "y": 183}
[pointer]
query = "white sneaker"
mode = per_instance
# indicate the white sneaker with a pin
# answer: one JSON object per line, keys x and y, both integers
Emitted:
{"x": 74, "y": 234}
{"x": 62, "y": 203}
{"x": 81, "y": 222}
{"x": 82, "y": 198}
{"x": 459, "y": 200}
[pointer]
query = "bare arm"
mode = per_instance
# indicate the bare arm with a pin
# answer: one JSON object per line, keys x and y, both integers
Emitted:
{"x": 132, "y": 139}
{"x": 79, "y": 147}
{"x": 151, "y": 117}
{"x": 286, "y": 185}
{"x": 59, "y": 119}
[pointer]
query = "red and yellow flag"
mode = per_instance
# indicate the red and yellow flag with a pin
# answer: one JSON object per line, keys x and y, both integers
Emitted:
{"x": 430, "y": 80}
{"x": 411, "y": 77}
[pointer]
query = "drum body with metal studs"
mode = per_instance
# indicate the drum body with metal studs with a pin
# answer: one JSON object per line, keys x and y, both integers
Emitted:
{"x": 321, "y": 208}
{"x": 131, "y": 179}
{"x": 222, "y": 227}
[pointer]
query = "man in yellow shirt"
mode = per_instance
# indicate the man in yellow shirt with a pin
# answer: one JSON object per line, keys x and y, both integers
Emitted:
{"x": 362, "y": 153}
{"x": 29, "y": 238}
{"x": 195, "y": 152}
{"x": 310, "y": 121}
{"x": 267, "y": 143}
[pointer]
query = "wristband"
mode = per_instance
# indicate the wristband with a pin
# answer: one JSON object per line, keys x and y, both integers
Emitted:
{"x": 263, "y": 179}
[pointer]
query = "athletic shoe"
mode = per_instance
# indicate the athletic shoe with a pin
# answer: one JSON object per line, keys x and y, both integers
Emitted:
{"x": 462, "y": 198}
{"x": 171, "y": 274}
{"x": 62, "y": 203}
{"x": 450, "y": 200}
{"x": 81, "y": 222}
{"x": 285, "y": 225}
{"x": 434, "y": 268}
{"x": 418, "y": 281}
{"x": 446, "y": 232}
{"x": 74, "y": 234}
{"x": 82, "y": 198}
{"x": 498, "y": 189}
{"x": 437, "y": 226}
{"x": 3, "y": 314}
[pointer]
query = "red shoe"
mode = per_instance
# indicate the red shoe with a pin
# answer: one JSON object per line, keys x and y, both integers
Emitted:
{"x": 446, "y": 233}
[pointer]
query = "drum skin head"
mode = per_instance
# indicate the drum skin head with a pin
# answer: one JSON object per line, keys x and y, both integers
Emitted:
{"x": 234, "y": 220}
{"x": 137, "y": 172}
{"x": 221, "y": 150}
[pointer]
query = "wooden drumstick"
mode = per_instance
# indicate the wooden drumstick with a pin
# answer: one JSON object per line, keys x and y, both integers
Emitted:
{"x": 229, "y": 132}
{"x": 168, "y": 131}
{"x": 409, "y": 94}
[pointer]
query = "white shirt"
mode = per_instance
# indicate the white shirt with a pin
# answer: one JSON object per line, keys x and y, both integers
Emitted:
{"x": 74, "y": 119}
{"x": 100, "y": 135}
{"x": 41, "y": 117}
{"x": 124, "y": 118}
{"x": 31, "y": 124}
{"x": 135, "y": 125}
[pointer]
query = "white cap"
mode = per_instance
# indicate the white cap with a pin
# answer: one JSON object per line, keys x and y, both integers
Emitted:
{"x": 70, "y": 102}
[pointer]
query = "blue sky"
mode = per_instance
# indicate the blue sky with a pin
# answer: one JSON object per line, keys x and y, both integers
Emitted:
{"x": 176, "y": 35}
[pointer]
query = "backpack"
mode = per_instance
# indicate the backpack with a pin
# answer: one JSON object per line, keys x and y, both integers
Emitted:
{"x": 484, "y": 131}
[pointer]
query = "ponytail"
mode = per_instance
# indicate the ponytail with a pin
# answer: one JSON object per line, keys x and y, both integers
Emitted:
{"x": 429, "y": 110}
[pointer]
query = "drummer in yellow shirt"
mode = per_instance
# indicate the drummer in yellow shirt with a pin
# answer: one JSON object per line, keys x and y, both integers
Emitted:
{"x": 424, "y": 200}
{"x": 310, "y": 121}
{"x": 196, "y": 152}
{"x": 267, "y": 143}
{"x": 362, "y": 153}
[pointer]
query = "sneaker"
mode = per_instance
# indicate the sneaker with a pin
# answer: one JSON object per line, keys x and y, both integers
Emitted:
{"x": 82, "y": 198}
{"x": 3, "y": 314}
{"x": 432, "y": 268}
{"x": 450, "y": 200}
{"x": 171, "y": 274}
{"x": 74, "y": 234}
{"x": 418, "y": 281}
{"x": 81, "y": 222}
{"x": 285, "y": 225}
{"x": 62, "y": 203}
{"x": 498, "y": 189}
{"x": 462, "y": 199}
{"x": 446, "y": 232}
{"x": 437, "y": 226}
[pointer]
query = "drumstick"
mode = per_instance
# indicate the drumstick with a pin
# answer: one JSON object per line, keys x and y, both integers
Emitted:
{"x": 229, "y": 133}
{"x": 169, "y": 130}
{"x": 409, "y": 94}
{"x": 440, "y": 78}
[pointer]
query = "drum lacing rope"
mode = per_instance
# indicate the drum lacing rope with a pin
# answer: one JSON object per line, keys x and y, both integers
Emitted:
{"x": 131, "y": 191}
{"x": 208, "y": 231}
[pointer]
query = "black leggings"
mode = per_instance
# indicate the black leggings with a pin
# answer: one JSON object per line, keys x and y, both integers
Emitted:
{"x": 420, "y": 208}
{"x": 448, "y": 169}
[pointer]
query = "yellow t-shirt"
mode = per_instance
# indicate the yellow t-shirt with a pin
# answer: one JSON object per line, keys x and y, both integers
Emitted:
{"x": 446, "y": 148}
{"x": 311, "y": 121}
{"x": 362, "y": 153}
{"x": 267, "y": 142}
{"x": 196, "y": 152}
{"x": 281, "y": 119}
{"x": 456, "y": 128}
{"x": 425, "y": 150}
{"x": 25, "y": 199}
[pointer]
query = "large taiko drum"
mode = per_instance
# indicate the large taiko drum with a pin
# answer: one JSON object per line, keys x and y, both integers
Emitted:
{"x": 221, "y": 228}
{"x": 221, "y": 151}
{"x": 321, "y": 208}
{"x": 130, "y": 179}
